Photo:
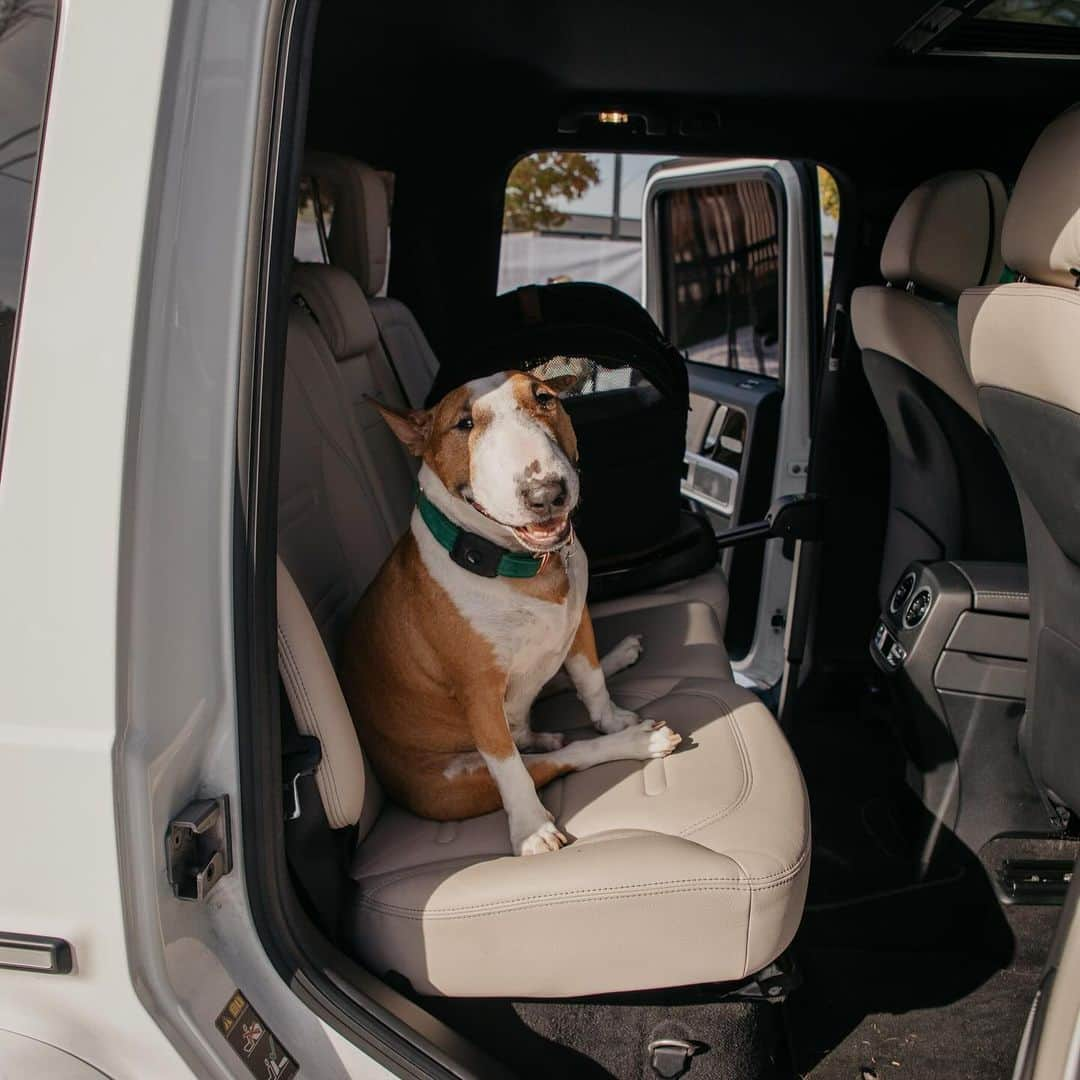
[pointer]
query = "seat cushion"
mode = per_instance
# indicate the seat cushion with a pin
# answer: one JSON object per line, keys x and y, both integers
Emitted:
{"x": 710, "y": 587}
{"x": 679, "y": 638}
{"x": 681, "y": 870}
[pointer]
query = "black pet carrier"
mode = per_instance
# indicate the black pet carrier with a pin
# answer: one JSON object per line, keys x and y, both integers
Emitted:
{"x": 629, "y": 408}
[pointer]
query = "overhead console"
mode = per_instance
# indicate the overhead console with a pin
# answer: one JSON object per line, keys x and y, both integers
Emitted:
{"x": 954, "y": 639}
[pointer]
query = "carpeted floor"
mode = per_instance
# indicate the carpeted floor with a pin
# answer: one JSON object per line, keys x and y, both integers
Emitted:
{"x": 909, "y": 971}
{"x": 608, "y": 1038}
{"x": 924, "y": 1014}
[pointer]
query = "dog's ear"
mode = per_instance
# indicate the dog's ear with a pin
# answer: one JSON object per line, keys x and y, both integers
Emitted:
{"x": 563, "y": 385}
{"x": 411, "y": 426}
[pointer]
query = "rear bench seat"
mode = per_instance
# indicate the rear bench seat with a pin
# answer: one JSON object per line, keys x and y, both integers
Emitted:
{"x": 358, "y": 243}
{"x": 690, "y": 869}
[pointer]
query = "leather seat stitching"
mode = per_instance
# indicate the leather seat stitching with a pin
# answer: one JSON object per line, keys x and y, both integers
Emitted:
{"x": 755, "y": 884}
{"x": 744, "y": 793}
{"x": 661, "y": 888}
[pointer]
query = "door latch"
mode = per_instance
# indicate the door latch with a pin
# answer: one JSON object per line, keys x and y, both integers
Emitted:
{"x": 198, "y": 847}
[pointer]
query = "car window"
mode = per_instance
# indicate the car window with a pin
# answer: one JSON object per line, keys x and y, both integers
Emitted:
{"x": 829, "y": 207}
{"x": 573, "y": 216}
{"x": 315, "y": 207}
{"x": 26, "y": 41}
{"x": 721, "y": 241}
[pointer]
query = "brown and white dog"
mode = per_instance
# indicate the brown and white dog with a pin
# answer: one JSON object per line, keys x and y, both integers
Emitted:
{"x": 442, "y": 665}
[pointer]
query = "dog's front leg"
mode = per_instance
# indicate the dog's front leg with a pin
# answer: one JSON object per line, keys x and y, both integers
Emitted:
{"x": 519, "y": 699}
{"x": 532, "y": 829}
{"x": 583, "y": 666}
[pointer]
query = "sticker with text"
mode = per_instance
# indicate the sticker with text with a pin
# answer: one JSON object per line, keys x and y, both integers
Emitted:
{"x": 246, "y": 1033}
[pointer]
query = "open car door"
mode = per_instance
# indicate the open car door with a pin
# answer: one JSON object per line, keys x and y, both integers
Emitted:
{"x": 732, "y": 265}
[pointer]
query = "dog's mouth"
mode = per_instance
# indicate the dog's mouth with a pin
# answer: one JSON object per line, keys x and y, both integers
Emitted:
{"x": 540, "y": 536}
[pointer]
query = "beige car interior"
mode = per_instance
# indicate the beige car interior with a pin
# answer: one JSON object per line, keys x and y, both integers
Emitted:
{"x": 701, "y": 859}
{"x": 811, "y": 289}
{"x": 950, "y": 495}
{"x": 1020, "y": 343}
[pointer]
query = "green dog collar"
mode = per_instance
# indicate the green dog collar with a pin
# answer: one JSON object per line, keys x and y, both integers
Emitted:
{"x": 475, "y": 553}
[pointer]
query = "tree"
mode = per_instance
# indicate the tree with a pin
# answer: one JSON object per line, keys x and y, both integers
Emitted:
{"x": 830, "y": 194}
{"x": 540, "y": 178}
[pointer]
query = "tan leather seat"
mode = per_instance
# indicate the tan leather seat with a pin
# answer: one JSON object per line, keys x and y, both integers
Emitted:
{"x": 345, "y": 490}
{"x": 950, "y": 495}
{"x": 692, "y": 869}
{"x": 358, "y": 246}
{"x": 1022, "y": 345}
{"x": 359, "y": 243}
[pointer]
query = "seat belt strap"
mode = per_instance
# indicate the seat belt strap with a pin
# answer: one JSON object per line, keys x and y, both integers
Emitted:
{"x": 393, "y": 365}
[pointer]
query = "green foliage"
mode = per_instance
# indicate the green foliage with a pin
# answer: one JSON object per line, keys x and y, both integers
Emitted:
{"x": 1046, "y": 12}
{"x": 830, "y": 194}
{"x": 538, "y": 179}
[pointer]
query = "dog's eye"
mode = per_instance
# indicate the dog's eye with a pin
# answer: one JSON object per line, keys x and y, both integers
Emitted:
{"x": 544, "y": 398}
{"x": 464, "y": 424}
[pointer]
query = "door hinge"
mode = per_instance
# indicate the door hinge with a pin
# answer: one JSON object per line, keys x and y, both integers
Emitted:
{"x": 198, "y": 847}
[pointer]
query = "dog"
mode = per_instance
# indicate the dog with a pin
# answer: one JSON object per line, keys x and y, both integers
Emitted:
{"x": 480, "y": 604}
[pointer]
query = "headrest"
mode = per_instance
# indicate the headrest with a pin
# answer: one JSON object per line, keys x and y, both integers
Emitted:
{"x": 338, "y": 306}
{"x": 1042, "y": 228}
{"x": 359, "y": 231}
{"x": 945, "y": 234}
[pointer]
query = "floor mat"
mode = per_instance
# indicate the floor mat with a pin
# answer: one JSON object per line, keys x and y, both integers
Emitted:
{"x": 607, "y": 1038}
{"x": 911, "y": 966}
{"x": 877, "y": 1014}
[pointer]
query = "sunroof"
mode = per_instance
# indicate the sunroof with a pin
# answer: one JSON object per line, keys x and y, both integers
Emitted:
{"x": 1041, "y": 12}
{"x": 1004, "y": 29}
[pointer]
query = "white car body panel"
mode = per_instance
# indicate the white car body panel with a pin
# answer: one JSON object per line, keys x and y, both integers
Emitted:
{"x": 117, "y": 496}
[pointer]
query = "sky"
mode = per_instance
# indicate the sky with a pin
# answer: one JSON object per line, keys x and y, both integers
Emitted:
{"x": 599, "y": 198}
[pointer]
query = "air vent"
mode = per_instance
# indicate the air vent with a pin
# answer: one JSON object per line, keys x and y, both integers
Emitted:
{"x": 901, "y": 593}
{"x": 917, "y": 609}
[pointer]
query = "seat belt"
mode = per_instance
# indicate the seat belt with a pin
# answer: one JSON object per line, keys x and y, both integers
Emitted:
{"x": 316, "y": 853}
{"x": 393, "y": 366}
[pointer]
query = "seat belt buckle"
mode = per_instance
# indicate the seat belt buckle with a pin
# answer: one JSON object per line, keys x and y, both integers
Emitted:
{"x": 302, "y": 756}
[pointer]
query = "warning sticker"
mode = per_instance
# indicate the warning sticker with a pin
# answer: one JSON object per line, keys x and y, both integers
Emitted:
{"x": 246, "y": 1033}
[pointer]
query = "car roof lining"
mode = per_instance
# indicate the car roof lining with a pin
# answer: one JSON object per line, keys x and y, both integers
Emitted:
{"x": 478, "y": 85}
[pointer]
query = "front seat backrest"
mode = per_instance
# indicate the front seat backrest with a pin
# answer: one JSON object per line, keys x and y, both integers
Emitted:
{"x": 1022, "y": 345}
{"x": 949, "y": 493}
{"x": 359, "y": 242}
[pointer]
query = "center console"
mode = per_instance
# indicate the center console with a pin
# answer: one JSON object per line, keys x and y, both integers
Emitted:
{"x": 954, "y": 643}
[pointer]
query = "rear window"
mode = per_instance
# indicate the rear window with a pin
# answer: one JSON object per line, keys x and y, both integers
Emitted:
{"x": 26, "y": 41}
{"x": 573, "y": 216}
{"x": 314, "y": 216}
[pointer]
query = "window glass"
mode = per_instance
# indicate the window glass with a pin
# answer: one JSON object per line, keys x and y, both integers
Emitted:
{"x": 721, "y": 242}
{"x": 1044, "y": 12}
{"x": 571, "y": 216}
{"x": 26, "y": 37}
{"x": 829, "y": 205}
{"x": 309, "y": 244}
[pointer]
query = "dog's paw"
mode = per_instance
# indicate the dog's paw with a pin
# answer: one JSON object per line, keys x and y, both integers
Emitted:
{"x": 615, "y": 719}
{"x": 657, "y": 739}
{"x": 625, "y": 654}
{"x": 546, "y": 838}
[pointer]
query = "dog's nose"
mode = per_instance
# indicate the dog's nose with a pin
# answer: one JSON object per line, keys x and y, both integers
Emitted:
{"x": 546, "y": 495}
